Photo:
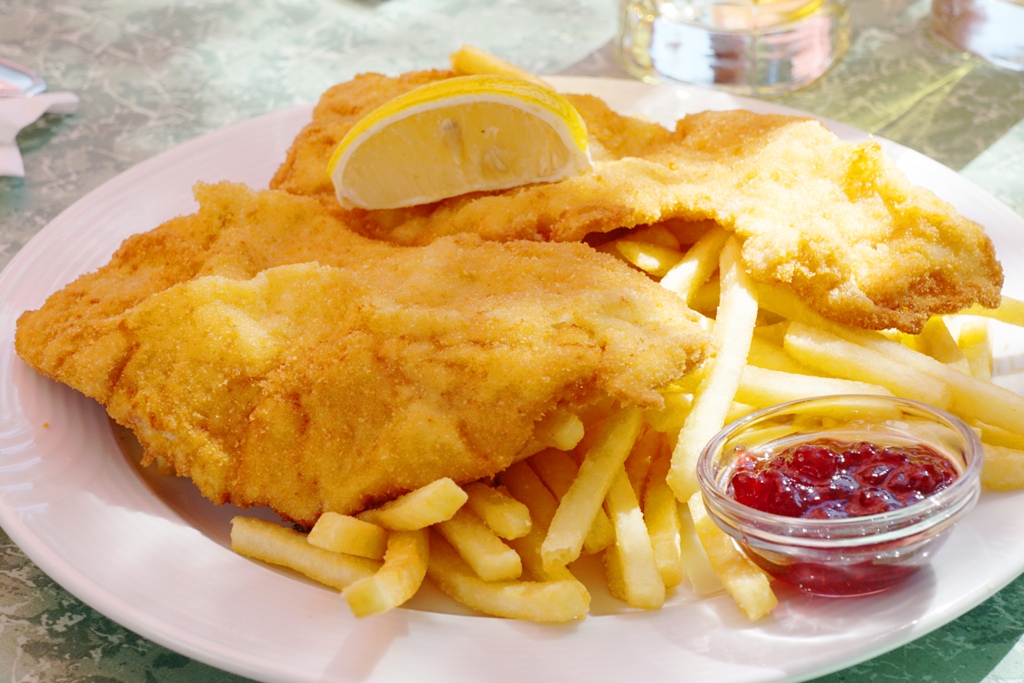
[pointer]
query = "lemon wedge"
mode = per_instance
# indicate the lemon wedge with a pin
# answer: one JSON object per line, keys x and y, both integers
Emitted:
{"x": 462, "y": 134}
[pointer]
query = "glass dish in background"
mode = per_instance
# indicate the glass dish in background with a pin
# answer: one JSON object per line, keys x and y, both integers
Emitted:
{"x": 764, "y": 48}
{"x": 850, "y": 555}
{"x": 990, "y": 29}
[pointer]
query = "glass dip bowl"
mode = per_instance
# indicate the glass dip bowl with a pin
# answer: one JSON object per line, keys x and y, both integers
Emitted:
{"x": 842, "y": 555}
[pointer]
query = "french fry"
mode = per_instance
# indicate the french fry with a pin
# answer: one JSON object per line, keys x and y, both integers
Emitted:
{"x": 506, "y": 516}
{"x": 911, "y": 341}
{"x": 772, "y": 334}
{"x": 973, "y": 398}
{"x": 286, "y": 547}
{"x": 541, "y": 601}
{"x": 696, "y": 565}
{"x": 560, "y": 430}
{"x": 839, "y": 357}
{"x": 430, "y": 504}
{"x": 761, "y": 387}
{"x": 591, "y": 435}
{"x": 403, "y": 571}
{"x": 733, "y": 330}
{"x": 764, "y": 354}
{"x": 532, "y": 446}
{"x": 648, "y": 446}
{"x": 1010, "y": 311}
{"x": 998, "y": 437}
{"x": 632, "y": 556}
{"x": 614, "y": 572}
{"x": 558, "y": 470}
{"x": 528, "y": 549}
{"x": 480, "y": 547}
{"x": 746, "y": 582}
{"x": 738, "y": 410}
{"x": 707, "y": 297}
{"x": 525, "y": 486}
{"x": 469, "y": 60}
{"x": 578, "y": 507}
{"x": 785, "y": 304}
{"x": 697, "y": 264}
{"x": 976, "y": 346}
{"x": 653, "y": 259}
{"x": 346, "y": 534}
{"x": 691, "y": 382}
{"x": 937, "y": 341}
{"x": 673, "y": 415}
{"x": 1003, "y": 468}
{"x": 656, "y": 234}
{"x": 661, "y": 514}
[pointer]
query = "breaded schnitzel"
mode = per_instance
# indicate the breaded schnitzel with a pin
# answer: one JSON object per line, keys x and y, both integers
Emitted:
{"x": 332, "y": 385}
{"x": 834, "y": 221}
{"x": 76, "y": 337}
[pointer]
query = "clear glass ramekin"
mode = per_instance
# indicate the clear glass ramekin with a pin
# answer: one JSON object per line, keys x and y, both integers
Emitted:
{"x": 852, "y": 555}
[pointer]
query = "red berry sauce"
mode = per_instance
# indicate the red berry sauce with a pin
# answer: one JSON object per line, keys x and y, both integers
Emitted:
{"x": 826, "y": 479}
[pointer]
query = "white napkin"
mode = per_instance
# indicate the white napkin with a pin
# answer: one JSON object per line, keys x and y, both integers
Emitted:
{"x": 18, "y": 112}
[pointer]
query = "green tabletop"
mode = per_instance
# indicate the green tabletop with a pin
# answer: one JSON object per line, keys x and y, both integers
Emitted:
{"x": 157, "y": 73}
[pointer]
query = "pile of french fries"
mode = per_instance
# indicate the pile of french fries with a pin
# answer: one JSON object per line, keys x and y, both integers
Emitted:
{"x": 620, "y": 483}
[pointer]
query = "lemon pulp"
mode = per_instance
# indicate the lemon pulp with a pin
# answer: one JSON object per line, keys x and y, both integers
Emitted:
{"x": 459, "y": 135}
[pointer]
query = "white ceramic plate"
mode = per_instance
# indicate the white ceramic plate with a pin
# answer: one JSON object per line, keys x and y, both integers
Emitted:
{"x": 151, "y": 554}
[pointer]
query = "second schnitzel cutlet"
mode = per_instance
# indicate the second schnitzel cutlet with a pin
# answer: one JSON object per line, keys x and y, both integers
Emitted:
{"x": 835, "y": 222}
{"x": 278, "y": 359}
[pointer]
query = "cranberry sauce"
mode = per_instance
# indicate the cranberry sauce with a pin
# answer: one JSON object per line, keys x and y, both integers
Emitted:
{"x": 831, "y": 479}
